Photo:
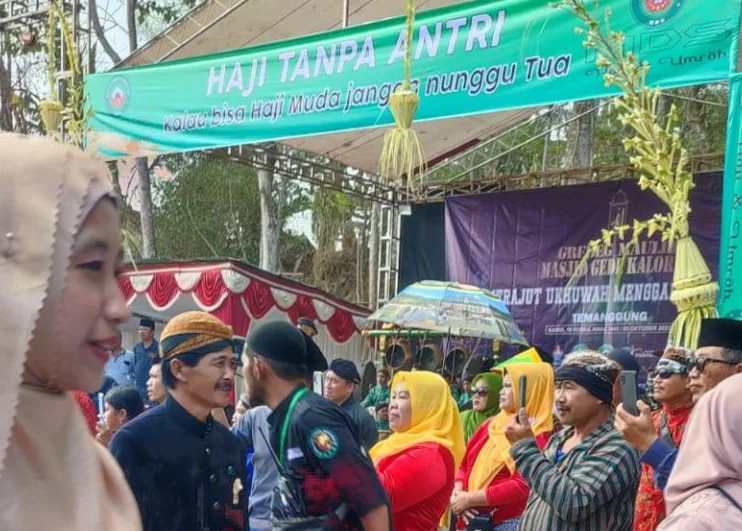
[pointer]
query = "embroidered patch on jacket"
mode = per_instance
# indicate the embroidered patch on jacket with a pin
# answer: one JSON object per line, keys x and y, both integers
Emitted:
{"x": 324, "y": 443}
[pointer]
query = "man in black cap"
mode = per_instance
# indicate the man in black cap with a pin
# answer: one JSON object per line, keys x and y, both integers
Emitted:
{"x": 306, "y": 325}
{"x": 340, "y": 383}
{"x": 146, "y": 353}
{"x": 326, "y": 479}
{"x": 253, "y": 429}
{"x": 717, "y": 357}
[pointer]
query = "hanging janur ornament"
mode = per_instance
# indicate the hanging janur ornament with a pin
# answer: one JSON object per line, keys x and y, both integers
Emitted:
{"x": 663, "y": 166}
{"x": 402, "y": 154}
{"x": 53, "y": 109}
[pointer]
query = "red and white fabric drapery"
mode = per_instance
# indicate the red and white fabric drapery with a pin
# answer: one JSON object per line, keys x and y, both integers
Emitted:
{"x": 239, "y": 295}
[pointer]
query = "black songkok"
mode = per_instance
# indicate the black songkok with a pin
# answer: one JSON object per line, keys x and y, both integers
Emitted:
{"x": 346, "y": 370}
{"x": 316, "y": 361}
{"x": 725, "y": 333}
{"x": 306, "y": 321}
{"x": 278, "y": 341}
{"x": 147, "y": 322}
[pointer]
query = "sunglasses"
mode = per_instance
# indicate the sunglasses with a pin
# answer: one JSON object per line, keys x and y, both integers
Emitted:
{"x": 665, "y": 374}
{"x": 700, "y": 363}
{"x": 480, "y": 391}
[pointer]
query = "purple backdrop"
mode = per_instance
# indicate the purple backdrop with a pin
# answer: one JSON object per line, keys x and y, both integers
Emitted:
{"x": 525, "y": 245}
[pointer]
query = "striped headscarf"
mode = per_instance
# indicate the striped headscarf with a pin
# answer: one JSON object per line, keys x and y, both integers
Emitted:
{"x": 194, "y": 333}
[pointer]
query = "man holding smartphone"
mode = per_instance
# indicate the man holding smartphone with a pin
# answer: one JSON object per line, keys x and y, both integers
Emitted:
{"x": 670, "y": 379}
{"x": 717, "y": 357}
{"x": 587, "y": 476}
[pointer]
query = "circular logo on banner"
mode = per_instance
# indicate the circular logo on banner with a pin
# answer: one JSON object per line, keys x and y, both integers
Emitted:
{"x": 655, "y": 13}
{"x": 118, "y": 95}
{"x": 324, "y": 443}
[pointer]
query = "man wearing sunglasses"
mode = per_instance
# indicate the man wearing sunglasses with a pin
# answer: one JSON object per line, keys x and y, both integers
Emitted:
{"x": 670, "y": 379}
{"x": 717, "y": 357}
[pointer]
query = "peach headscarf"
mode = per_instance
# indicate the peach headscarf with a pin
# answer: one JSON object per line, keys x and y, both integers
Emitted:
{"x": 711, "y": 452}
{"x": 53, "y": 475}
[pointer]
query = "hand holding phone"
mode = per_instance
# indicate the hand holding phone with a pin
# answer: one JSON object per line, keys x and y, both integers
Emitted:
{"x": 628, "y": 392}
{"x": 522, "y": 388}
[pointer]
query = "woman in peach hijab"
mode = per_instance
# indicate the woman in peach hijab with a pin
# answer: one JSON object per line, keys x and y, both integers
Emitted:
{"x": 704, "y": 492}
{"x": 59, "y": 310}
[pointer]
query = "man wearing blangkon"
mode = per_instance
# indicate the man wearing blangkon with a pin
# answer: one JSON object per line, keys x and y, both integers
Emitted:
{"x": 326, "y": 480}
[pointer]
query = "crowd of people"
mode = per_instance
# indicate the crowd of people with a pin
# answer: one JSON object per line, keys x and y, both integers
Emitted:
{"x": 540, "y": 449}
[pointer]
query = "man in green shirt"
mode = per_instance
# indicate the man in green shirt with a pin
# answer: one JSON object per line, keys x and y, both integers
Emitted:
{"x": 465, "y": 397}
{"x": 382, "y": 419}
{"x": 380, "y": 392}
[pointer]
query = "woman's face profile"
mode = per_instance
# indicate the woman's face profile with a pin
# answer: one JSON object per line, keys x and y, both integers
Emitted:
{"x": 92, "y": 305}
{"x": 400, "y": 409}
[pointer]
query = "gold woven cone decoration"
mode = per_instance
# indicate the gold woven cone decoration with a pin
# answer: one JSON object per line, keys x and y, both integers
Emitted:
{"x": 402, "y": 151}
{"x": 693, "y": 293}
{"x": 662, "y": 165}
{"x": 51, "y": 115}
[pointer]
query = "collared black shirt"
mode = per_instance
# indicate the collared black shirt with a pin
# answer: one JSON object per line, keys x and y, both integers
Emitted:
{"x": 365, "y": 423}
{"x": 182, "y": 471}
{"x": 325, "y": 462}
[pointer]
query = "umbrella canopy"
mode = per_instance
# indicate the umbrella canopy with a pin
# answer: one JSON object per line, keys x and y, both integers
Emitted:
{"x": 448, "y": 307}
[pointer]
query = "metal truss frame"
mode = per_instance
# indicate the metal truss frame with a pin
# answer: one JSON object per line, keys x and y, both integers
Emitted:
{"x": 310, "y": 168}
{"x": 545, "y": 179}
{"x": 19, "y": 13}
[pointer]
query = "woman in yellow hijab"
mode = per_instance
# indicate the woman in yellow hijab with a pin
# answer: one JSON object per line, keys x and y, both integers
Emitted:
{"x": 487, "y": 480}
{"x": 418, "y": 461}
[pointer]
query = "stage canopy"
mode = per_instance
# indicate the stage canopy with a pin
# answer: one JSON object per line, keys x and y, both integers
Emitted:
{"x": 240, "y": 295}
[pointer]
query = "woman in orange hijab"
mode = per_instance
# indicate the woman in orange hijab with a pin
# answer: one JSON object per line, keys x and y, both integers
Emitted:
{"x": 417, "y": 463}
{"x": 60, "y": 308}
{"x": 487, "y": 480}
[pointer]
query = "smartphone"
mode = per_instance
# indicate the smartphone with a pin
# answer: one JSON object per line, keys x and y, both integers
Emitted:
{"x": 628, "y": 392}
{"x": 522, "y": 387}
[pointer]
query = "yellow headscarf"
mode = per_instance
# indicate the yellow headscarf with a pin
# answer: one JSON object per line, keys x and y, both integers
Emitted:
{"x": 539, "y": 405}
{"x": 435, "y": 417}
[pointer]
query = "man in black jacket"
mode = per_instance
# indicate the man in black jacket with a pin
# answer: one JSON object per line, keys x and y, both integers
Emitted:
{"x": 186, "y": 470}
{"x": 340, "y": 383}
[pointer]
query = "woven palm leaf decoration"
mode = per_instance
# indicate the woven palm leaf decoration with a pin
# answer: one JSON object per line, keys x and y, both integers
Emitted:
{"x": 662, "y": 165}
{"x": 402, "y": 151}
{"x": 52, "y": 109}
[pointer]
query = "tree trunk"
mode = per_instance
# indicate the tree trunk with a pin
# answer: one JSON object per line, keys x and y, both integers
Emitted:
{"x": 6, "y": 95}
{"x": 270, "y": 231}
{"x": 582, "y": 154}
{"x": 145, "y": 209}
{"x": 373, "y": 256}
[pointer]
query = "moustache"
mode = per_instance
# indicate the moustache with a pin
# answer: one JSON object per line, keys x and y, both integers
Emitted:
{"x": 223, "y": 386}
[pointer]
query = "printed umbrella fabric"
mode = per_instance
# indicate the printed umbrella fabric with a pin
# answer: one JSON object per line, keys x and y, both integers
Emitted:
{"x": 448, "y": 307}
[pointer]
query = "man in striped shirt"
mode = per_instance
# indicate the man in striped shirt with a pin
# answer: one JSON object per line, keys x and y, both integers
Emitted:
{"x": 587, "y": 477}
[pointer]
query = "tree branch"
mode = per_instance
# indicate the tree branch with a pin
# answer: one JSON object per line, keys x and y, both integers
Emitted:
{"x": 100, "y": 34}
{"x": 131, "y": 23}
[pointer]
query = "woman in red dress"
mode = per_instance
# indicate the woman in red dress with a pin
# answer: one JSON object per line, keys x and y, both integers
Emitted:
{"x": 487, "y": 481}
{"x": 418, "y": 461}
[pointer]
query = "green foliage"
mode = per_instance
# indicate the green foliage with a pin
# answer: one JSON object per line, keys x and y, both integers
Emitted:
{"x": 166, "y": 11}
{"x": 210, "y": 209}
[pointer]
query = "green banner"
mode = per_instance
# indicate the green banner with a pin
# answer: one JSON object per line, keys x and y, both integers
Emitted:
{"x": 477, "y": 57}
{"x": 730, "y": 245}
